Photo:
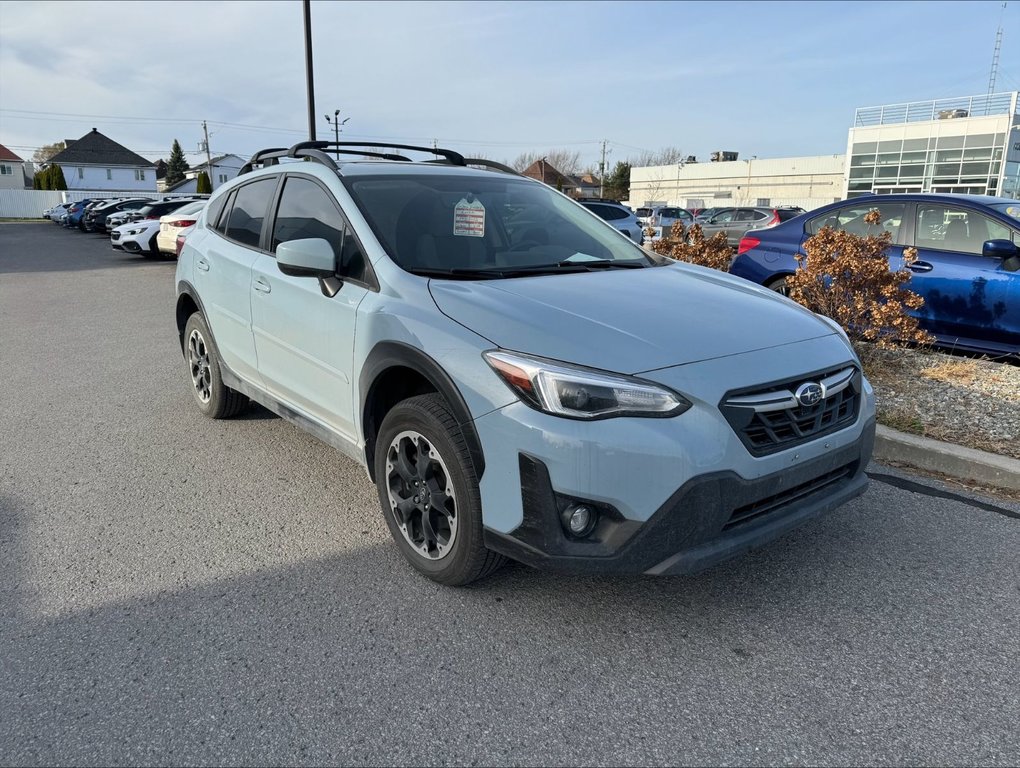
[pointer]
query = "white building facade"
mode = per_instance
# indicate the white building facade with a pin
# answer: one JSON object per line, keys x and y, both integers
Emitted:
{"x": 807, "y": 182}
{"x": 966, "y": 145}
{"x": 97, "y": 163}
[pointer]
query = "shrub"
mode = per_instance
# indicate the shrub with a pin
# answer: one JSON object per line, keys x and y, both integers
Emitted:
{"x": 847, "y": 277}
{"x": 202, "y": 184}
{"x": 57, "y": 180}
{"x": 692, "y": 247}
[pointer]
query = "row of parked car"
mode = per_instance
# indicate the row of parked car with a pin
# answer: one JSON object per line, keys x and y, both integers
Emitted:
{"x": 135, "y": 224}
{"x": 967, "y": 269}
{"x": 648, "y": 223}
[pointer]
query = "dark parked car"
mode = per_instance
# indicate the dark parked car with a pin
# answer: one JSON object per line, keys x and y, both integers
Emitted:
{"x": 967, "y": 268}
{"x": 95, "y": 219}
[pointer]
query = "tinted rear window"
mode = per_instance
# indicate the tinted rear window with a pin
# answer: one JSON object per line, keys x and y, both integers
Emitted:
{"x": 787, "y": 215}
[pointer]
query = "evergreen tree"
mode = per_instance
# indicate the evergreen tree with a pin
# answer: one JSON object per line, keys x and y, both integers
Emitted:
{"x": 176, "y": 165}
{"x": 204, "y": 186}
{"x": 57, "y": 178}
{"x": 37, "y": 181}
{"x": 617, "y": 183}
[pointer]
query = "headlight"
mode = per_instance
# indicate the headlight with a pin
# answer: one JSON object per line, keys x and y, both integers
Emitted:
{"x": 135, "y": 231}
{"x": 582, "y": 393}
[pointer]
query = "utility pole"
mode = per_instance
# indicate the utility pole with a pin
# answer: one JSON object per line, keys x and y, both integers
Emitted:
{"x": 309, "y": 81}
{"x": 602, "y": 171}
{"x": 208, "y": 155}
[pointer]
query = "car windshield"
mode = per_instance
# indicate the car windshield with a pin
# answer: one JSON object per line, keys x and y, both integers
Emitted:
{"x": 188, "y": 209}
{"x": 478, "y": 226}
{"x": 1010, "y": 209}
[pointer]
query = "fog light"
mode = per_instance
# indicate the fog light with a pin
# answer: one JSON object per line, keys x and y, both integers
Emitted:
{"x": 579, "y": 519}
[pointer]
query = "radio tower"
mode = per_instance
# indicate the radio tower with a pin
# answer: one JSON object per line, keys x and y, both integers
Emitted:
{"x": 995, "y": 56}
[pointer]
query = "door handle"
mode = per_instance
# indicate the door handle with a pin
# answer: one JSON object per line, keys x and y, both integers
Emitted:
{"x": 921, "y": 266}
{"x": 262, "y": 286}
{"x": 202, "y": 264}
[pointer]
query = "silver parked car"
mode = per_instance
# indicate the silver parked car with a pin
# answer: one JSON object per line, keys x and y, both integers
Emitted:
{"x": 735, "y": 222}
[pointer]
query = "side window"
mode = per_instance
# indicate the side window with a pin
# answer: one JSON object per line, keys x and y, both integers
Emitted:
{"x": 214, "y": 210}
{"x": 611, "y": 213}
{"x": 723, "y": 217}
{"x": 744, "y": 216}
{"x": 850, "y": 218}
{"x": 244, "y": 224}
{"x": 306, "y": 210}
{"x": 949, "y": 228}
{"x": 220, "y": 222}
{"x": 353, "y": 263}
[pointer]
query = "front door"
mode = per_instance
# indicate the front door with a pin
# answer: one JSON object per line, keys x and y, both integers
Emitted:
{"x": 304, "y": 338}
{"x": 967, "y": 295}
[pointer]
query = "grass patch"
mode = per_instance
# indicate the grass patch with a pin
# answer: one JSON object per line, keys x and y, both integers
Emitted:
{"x": 960, "y": 372}
{"x": 904, "y": 421}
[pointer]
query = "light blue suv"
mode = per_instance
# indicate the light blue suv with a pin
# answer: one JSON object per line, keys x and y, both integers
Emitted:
{"x": 519, "y": 379}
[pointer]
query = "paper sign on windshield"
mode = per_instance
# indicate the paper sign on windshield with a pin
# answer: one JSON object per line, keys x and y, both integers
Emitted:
{"x": 469, "y": 219}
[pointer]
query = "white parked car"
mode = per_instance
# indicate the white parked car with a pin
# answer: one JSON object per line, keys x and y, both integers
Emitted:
{"x": 57, "y": 212}
{"x": 171, "y": 225}
{"x": 136, "y": 237}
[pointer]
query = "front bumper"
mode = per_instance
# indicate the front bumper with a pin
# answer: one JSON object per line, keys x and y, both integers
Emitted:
{"x": 710, "y": 518}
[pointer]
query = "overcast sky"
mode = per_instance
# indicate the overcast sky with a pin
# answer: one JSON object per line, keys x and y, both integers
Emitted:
{"x": 764, "y": 79}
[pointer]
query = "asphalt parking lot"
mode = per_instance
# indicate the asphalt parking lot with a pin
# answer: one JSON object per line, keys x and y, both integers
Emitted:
{"x": 177, "y": 590}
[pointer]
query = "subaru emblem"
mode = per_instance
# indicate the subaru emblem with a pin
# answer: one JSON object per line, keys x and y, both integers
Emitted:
{"x": 809, "y": 393}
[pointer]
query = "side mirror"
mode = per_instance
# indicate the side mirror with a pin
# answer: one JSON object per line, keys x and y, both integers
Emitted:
{"x": 1005, "y": 250}
{"x": 311, "y": 257}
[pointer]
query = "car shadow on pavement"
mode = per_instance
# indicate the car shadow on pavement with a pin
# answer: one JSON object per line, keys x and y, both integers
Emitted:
{"x": 834, "y": 644}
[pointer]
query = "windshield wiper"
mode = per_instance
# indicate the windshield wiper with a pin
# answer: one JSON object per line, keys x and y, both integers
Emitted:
{"x": 605, "y": 264}
{"x": 496, "y": 273}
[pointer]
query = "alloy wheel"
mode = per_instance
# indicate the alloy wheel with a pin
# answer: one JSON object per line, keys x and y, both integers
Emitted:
{"x": 421, "y": 495}
{"x": 198, "y": 360}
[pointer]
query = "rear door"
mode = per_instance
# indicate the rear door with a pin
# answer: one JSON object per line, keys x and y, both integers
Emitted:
{"x": 223, "y": 273}
{"x": 967, "y": 295}
{"x": 718, "y": 222}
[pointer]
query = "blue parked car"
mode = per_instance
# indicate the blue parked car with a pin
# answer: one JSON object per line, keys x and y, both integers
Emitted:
{"x": 75, "y": 212}
{"x": 967, "y": 268}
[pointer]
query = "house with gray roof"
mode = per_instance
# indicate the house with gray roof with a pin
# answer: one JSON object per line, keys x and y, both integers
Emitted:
{"x": 224, "y": 168}
{"x": 97, "y": 162}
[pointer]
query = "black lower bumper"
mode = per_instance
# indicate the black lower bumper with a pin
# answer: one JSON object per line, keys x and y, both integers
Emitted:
{"x": 709, "y": 519}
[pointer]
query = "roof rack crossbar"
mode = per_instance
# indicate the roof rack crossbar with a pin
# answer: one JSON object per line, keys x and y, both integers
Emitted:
{"x": 263, "y": 157}
{"x": 455, "y": 158}
{"x": 482, "y": 162}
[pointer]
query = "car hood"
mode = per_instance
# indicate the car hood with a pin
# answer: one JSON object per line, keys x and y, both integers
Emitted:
{"x": 628, "y": 321}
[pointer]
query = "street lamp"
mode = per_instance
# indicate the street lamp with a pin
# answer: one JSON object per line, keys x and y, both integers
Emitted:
{"x": 337, "y": 123}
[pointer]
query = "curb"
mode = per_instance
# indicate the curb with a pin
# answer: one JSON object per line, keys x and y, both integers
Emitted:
{"x": 947, "y": 458}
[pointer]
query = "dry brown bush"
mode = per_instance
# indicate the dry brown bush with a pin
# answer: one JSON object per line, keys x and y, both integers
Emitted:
{"x": 847, "y": 277}
{"x": 692, "y": 247}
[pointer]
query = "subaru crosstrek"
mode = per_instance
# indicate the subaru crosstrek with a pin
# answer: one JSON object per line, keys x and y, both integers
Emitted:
{"x": 518, "y": 378}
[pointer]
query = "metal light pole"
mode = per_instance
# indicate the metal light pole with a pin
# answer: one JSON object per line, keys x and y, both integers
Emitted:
{"x": 308, "y": 69}
{"x": 337, "y": 123}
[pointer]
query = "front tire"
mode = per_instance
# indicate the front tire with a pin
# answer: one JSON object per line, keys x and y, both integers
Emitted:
{"x": 214, "y": 398}
{"x": 428, "y": 491}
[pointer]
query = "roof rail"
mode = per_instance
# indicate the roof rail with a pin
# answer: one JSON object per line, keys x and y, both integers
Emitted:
{"x": 317, "y": 151}
{"x": 455, "y": 158}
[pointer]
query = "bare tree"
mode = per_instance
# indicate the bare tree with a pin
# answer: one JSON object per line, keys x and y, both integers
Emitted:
{"x": 565, "y": 161}
{"x": 665, "y": 156}
{"x": 45, "y": 152}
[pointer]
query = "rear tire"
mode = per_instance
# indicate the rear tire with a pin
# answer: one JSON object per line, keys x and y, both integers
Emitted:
{"x": 779, "y": 286}
{"x": 429, "y": 494}
{"x": 214, "y": 398}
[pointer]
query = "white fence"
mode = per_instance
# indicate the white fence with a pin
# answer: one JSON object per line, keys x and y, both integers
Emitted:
{"x": 30, "y": 203}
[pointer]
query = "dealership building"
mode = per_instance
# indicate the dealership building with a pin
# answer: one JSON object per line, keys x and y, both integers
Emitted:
{"x": 967, "y": 145}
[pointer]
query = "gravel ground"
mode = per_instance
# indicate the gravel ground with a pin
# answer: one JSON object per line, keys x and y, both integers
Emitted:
{"x": 962, "y": 400}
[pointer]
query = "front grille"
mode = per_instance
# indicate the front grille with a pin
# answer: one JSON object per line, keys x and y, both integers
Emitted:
{"x": 780, "y": 501}
{"x": 770, "y": 418}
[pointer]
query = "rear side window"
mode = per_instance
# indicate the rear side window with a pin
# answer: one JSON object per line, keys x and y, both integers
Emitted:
{"x": 215, "y": 209}
{"x": 244, "y": 222}
{"x": 850, "y": 218}
{"x": 607, "y": 212}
